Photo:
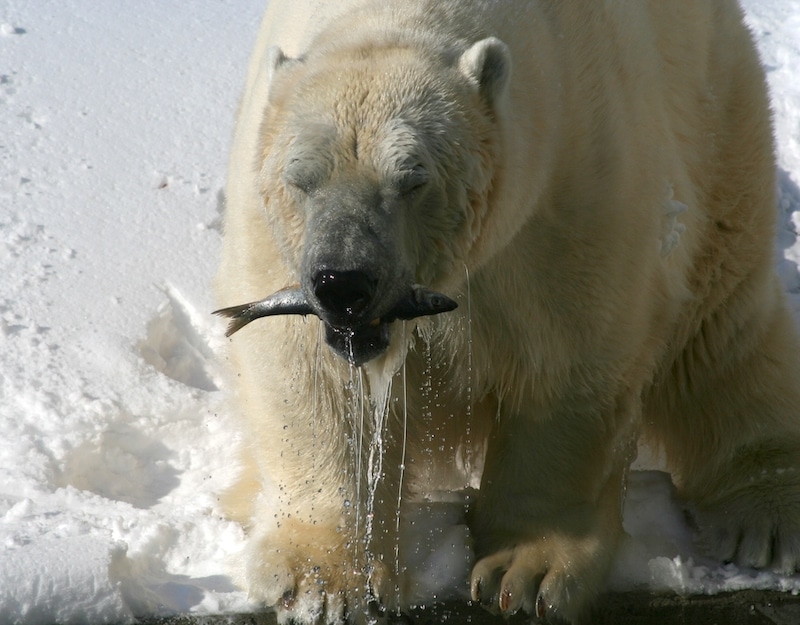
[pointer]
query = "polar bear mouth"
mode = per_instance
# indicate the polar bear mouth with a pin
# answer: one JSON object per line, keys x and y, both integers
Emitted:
{"x": 357, "y": 343}
{"x": 360, "y": 344}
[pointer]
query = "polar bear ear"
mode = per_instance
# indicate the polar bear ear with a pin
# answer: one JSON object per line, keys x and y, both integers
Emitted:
{"x": 487, "y": 64}
{"x": 273, "y": 61}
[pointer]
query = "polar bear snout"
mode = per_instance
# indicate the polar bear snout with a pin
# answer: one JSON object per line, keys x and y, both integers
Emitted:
{"x": 357, "y": 321}
{"x": 344, "y": 296}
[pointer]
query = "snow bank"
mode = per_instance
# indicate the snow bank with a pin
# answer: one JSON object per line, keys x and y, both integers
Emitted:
{"x": 114, "y": 125}
{"x": 114, "y": 128}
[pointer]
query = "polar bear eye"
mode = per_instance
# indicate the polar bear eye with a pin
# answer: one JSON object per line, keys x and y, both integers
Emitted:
{"x": 301, "y": 177}
{"x": 412, "y": 179}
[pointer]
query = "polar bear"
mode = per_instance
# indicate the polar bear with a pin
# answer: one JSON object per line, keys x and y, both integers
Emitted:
{"x": 592, "y": 183}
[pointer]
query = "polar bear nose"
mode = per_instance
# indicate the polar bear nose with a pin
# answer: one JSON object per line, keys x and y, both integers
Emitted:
{"x": 345, "y": 295}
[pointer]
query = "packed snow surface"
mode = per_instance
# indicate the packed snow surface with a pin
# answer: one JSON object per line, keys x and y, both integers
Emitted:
{"x": 115, "y": 121}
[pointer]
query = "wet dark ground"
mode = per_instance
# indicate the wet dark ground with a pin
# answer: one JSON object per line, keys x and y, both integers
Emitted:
{"x": 747, "y": 607}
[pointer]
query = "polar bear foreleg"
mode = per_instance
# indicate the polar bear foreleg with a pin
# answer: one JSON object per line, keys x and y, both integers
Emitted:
{"x": 548, "y": 519}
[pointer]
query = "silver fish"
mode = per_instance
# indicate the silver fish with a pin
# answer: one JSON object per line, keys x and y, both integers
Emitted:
{"x": 287, "y": 301}
{"x": 419, "y": 302}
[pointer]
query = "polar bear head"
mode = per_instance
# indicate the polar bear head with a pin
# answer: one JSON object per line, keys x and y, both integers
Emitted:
{"x": 377, "y": 163}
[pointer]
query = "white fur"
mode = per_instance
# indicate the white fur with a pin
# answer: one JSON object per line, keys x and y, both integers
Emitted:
{"x": 597, "y": 309}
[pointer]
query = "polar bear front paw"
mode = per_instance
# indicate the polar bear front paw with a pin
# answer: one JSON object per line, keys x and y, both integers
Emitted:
{"x": 301, "y": 587}
{"x": 314, "y": 577}
{"x": 555, "y": 578}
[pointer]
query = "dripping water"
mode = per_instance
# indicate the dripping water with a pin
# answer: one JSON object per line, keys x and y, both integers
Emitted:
{"x": 357, "y": 386}
{"x": 368, "y": 463}
{"x": 402, "y": 475}
{"x": 468, "y": 451}
{"x": 426, "y": 407}
{"x": 375, "y": 462}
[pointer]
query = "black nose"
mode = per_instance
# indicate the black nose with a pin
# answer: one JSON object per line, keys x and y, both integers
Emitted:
{"x": 345, "y": 295}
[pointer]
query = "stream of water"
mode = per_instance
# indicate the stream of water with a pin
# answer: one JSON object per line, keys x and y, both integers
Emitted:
{"x": 370, "y": 408}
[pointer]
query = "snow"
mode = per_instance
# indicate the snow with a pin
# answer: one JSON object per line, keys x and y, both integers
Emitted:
{"x": 115, "y": 121}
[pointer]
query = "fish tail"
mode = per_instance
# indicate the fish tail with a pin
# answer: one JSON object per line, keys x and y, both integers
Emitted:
{"x": 239, "y": 315}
